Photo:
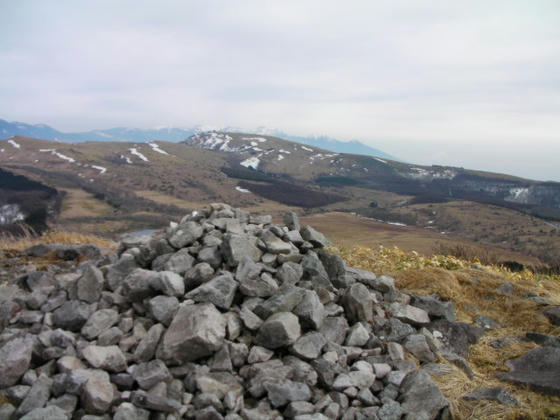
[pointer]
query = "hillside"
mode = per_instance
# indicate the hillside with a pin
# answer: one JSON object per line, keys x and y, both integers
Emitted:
{"x": 114, "y": 187}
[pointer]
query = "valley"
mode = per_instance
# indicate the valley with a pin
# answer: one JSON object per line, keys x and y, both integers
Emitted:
{"x": 109, "y": 188}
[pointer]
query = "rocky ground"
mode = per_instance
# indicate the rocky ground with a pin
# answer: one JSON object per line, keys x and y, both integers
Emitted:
{"x": 227, "y": 315}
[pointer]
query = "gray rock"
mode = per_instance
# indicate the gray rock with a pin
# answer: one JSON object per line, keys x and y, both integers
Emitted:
{"x": 283, "y": 392}
{"x": 127, "y": 411}
{"x": 118, "y": 271}
{"x": 279, "y": 330}
{"x": 180, "y": 262}
{"x": 294, "y": 237}
{"x": 15, "y": 356}
{"x": 421, "y": 397}
{"x": 185, "y": 234}
{"x": 235, "y": 247}
{"x": 316, "y": 238}
{"x": 147, "y": 346}
{"x": 251, "y": 282}
{"x": 149, "y": 374}
{"x": 357, "y": 378}
{"x": 314, "y": 271}
{"x": 153, "y": 402}
{"x": 457, "y": 335}
{"x": 285, "y": 299}
{"x": 357, "y": 336}
{"x": 487, "y": 323}
{"x": 553, "y": 314}
{"x": 108, "y": 358}
{"x": 418, "y": 346}
{"x": 210, "y": 255}
{"x": 309, "y": 346}
{"x": 7, "y": 410}
{"x": 97, "y": 393}
{"x": 259, "y": 354}
{"x": 458, "y": 361}
{"x": 435, "y": 307}
{"x": 100, "y": 321}
{"x": 163, "y": 308}
{"x": 37, "y": 396}
{"x": 71, "y": 252}
{"x": 170, "y": 284}
{"x": 67, "y": 364}
{"x": 90, "y": 285}
{"x": 410, "y": 314}
{"x": 334, "y": 329}
{"x": 219, "y": 291}
{"x": 538, "y": 369}
{"x": 138, "y": 285}
{"x": 391, "y": 410}
{"x": 506, "y": 288}
{"x": 110, "y": 337}
{"x": 543, "y": 339}
{"x": 291, "y": 220}
{"x": 310, "y": 310}
{"x": 396, "y": 330}
{"x": 71, "y": 316}
{"x": 250, "y": 320}
{"x": 395, "y": 351}
{"x": 196, "y": 331}
{"x": 219, "y": 383}
{"x": 199, "y": 274}
{"x": 274, "y": 244}
{"x": 47, "y": 413}
{"x": 289, "y": 273}
{"x": 66, "y": 402}
{"x": 493, "y": 394}
{"x": 358, "y": 303}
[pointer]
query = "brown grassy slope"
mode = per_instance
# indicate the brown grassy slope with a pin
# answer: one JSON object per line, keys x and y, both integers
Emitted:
{"x": 474, "y": 292}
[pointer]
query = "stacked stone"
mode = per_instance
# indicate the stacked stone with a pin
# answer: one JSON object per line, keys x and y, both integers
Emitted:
{"x": 223, "y": 315}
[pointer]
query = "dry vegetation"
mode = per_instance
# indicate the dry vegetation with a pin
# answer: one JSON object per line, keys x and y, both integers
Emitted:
{"x": 10, "y": 243}
{"x": 473, "y": 291}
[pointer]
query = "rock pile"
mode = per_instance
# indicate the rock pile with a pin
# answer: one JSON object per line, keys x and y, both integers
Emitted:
{"x": 223, "y": 315}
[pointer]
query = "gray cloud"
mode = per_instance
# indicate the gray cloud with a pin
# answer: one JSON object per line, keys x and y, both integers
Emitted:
{"x": 463, "y": 78}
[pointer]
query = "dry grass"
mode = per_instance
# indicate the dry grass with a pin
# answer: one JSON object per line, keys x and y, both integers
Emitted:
{"x": 11, "y": 243}
{"x": 473, "y": 292}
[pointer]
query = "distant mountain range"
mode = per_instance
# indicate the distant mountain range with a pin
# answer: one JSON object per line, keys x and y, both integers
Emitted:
{"x": 175, "y": 134}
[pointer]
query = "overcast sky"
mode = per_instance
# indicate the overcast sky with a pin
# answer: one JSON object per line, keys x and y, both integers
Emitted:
{"x": 471, "y": 83}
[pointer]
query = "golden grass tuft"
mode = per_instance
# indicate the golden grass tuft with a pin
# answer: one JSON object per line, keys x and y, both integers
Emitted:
{"x": 12, "y": 243}
{"x": 473, "y": 291}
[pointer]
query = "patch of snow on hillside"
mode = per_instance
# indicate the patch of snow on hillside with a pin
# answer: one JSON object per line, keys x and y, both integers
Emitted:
{"x": 259, "y": 139}
{"x": 252, "y": 162}
{"x": 57, "y": 154}
{"x": 1, "y": 150}
{"x": 286, "y": 152}
{"x": 380, "y": 160}
{"x": 156, "y": 148}
{"x": 280, "y": 157}
{"x": 395, "y": 223}
{"x": 13, "y": 143}
{"x": 256, "y": 149}
{"x": 518, "y": 195}
{"x": 307, "y": 148}
{"x": 10, "y": 213}
{"x": 101, "y": 169}
{"x": 137, "y": 153}
{"x": 242, "y": 190}
{"x": 126, "y": 158}
{"x": 366, "y": 170}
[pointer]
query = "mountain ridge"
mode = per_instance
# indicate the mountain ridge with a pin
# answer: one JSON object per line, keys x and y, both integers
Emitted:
{"x": 175, "y": 134}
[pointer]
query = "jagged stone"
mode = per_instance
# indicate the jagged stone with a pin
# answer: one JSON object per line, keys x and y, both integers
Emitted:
{"x": 51, "y": 413}
{"x": 163, "y": 308}
{"x": 219, "y": 291}
{"x": 553, "y": 314}
{"x": 99, "y": 322}
{"x": 418, "y": 346}
{"x": 435, "y": 307}
{"x": 357, "y": 336}
{"x": 97, "y": 394}
{"x": 196, "y": 331}
{"x": 147, "y": 346}
{"x": 71, "y": 316}
{"x": 289, "y": 273}
{"x": 421, "y": 397}
{"x": 334, "y": 329}
{"x": 316, "y": 238}
{"x": 198, "y": 274}
{"x": 108, "y": 358}
{"x": 493, "y": 394}
{"x": 314, "y": 271}
{"x": 285, "y": 299}
{"x": 185, "y": 234}
{"x": 15, "y": 356}
{"x": 235, "y": 247}
{"x": 538, "y": 369}
{"x": 37, "y": 396}
{"x": 310, "y": 310}
{"x": 90, "y": 285}
{"x": 149, "y": 401}
{"x": 291, "y": 220}
{"x": 358, "y": 303}
{"x": 309, "y": 346}
{"x": 127, "y": 411}
{"x": 151, "y": 373}
{"x": 456, "y": 335}
{"x": 169, "y": 283}
{"x": 283, "y": 392}
{"x": 279, "y": 330}
{"x": 410, "y": 314}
